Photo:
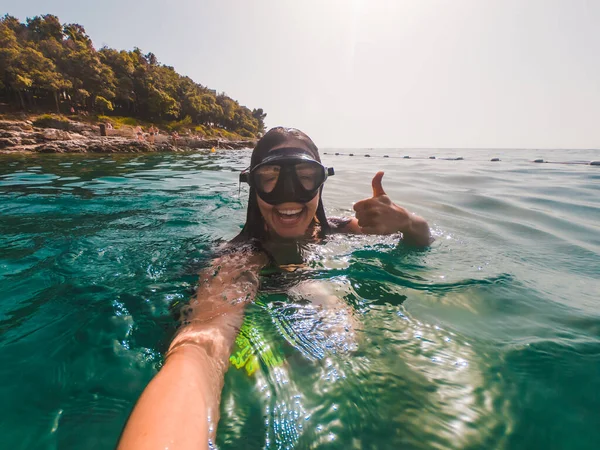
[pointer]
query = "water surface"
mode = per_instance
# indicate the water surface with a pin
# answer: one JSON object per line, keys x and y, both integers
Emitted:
{"x": 489, "y": 339}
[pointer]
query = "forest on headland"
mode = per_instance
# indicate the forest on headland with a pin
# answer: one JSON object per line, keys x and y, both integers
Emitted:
{"x": 48, "y": 66}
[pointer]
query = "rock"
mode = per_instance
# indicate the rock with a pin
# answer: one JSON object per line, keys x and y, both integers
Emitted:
{"x": 7, "y": 142}
{"x": 6, "y": 124}
{"x": 53, "y": 134}
{"x": 48, "y": 148}
{"x": 81, "y": 127}
{"x": 21, "y": 136}
{"x": 166, "y": 147}
{"x": 12, "y": 125}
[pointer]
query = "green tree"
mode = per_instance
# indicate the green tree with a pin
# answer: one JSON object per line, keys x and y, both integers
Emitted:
{"x": 260, "y": 116}
{"x": 102, "y": 104}
{"x": 44, "y": 63}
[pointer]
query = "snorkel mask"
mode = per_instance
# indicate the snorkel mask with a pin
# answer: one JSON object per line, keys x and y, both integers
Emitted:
{"x": 287, "y": 175}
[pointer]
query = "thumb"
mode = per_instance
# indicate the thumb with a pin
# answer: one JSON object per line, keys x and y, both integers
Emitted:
{"x": 377, "y": 187}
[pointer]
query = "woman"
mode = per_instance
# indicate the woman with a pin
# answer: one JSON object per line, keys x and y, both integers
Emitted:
{"x": 152, "y": 132}
{"x": 139, "y": 133}
{"x": 179, "y": 409}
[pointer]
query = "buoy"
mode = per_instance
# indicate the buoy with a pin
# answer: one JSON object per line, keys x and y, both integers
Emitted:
{"x": 432, "y": 157}
{"x": 495, "y": 159}
{"x": 595, "y": 163}
{"x": 538, "y": 161}
{"x": 212, "y": 150}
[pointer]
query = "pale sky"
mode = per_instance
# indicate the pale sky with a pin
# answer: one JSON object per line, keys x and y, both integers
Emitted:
{"x": 376, "y": 73}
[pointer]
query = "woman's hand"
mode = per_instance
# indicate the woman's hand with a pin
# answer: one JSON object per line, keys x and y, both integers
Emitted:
{"x": 379, "y": 215}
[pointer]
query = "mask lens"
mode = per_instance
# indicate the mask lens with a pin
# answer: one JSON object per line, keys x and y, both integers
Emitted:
{"x": 266, "y": 177}
{"x": 310, "y": 175}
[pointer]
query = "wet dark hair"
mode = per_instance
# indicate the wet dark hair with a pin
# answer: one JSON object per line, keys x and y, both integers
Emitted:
{"x": 254, "y": 228}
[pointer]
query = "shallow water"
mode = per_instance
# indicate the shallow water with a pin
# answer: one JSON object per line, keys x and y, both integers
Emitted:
{"x": 489, "y": 339}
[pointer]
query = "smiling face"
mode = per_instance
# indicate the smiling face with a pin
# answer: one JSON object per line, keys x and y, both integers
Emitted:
{"x": 285, "y": 193}
{"x": 289, "y": 220}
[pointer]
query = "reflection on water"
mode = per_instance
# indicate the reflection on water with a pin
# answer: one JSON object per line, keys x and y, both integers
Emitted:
{"x": 489, "y": 339}
{"x": 415, "y": 374}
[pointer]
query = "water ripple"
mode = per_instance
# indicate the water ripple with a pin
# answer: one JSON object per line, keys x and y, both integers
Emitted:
{"x": 488, "y": 339}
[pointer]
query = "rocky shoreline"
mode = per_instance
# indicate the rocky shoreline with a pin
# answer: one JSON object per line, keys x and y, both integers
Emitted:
{"x": 20, "y": 136}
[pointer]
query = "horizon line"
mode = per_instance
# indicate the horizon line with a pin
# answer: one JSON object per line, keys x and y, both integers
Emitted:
{"x": 459, "y": 148}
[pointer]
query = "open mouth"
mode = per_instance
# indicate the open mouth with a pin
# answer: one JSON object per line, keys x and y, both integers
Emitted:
{"x": 289, "y": 216}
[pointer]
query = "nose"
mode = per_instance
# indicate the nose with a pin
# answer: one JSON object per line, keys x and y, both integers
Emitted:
{"x": 288, "y": 184}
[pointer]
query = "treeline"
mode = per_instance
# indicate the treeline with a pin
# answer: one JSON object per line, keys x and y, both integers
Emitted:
{"x": 49, "y": 66}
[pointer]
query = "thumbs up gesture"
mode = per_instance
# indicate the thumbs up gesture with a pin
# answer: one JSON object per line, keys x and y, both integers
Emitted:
{"x": 379, "y": 215}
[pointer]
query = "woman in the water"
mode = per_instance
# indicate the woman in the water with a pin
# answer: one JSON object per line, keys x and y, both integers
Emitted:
{"x": 179, "y": 409}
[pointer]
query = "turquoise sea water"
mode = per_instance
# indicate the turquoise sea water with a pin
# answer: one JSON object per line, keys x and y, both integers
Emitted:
{"x": 489, "y": 339}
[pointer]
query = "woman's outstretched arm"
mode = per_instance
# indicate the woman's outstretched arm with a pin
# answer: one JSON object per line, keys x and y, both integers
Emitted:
{"x": 179, "y": 409}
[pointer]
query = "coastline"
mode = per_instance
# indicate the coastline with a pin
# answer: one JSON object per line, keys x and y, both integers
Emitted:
{"x": 22, "y": 137}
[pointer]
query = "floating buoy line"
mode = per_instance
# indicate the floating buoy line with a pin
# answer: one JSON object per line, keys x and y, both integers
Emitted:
{"x": 460, "y": 158}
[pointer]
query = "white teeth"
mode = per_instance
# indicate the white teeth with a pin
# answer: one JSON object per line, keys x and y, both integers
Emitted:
{"x": 289, "y": 212}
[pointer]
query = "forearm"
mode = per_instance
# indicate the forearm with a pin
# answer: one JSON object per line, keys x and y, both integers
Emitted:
{"x": 415, "y": 231}
{"x": 180, "y": 407}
